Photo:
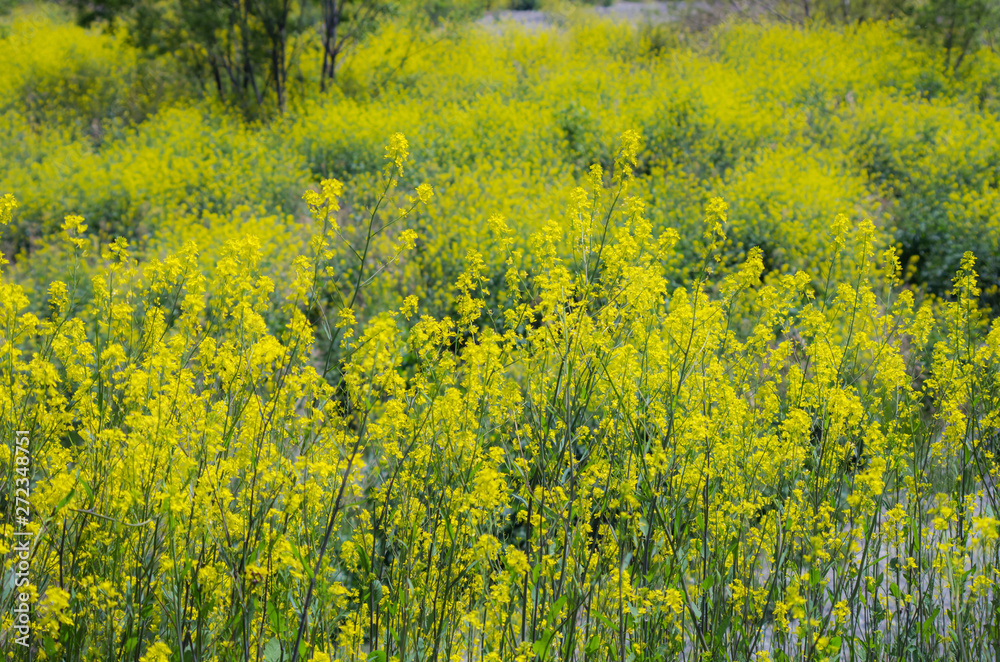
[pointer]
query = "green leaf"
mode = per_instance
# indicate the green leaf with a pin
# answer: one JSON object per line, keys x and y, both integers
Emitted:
{"x": 275, "y": 617}
{"x": 541, "y": 647}
{"x": 814, "y": 576}
{"x": 723, "y": 626}
{"x": 928, "y": 625}
{"x": 365, "y": 563}
{"x": 65, "y": 500}
{"x": 556, "y": 608}
{"x": 298, "y": 557}
{"x": 272, "y": 651}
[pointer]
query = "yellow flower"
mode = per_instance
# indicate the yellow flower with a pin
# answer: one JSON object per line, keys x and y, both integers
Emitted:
{"x": 7, "y": 206}
{"x": 425, "y": 192}
{"x": 158, "y": 652}
{"x": 397, "y": 151}
{"x": 320, "y": 655}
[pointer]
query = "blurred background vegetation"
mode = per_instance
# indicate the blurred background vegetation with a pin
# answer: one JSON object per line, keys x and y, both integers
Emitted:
{"x": 168, "y": 120}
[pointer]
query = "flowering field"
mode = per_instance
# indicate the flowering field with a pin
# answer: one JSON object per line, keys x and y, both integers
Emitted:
{"x": 595, "y": 342}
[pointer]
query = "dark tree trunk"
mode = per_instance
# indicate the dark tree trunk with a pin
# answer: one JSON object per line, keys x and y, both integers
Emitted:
{"x": 331, "y": 25}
